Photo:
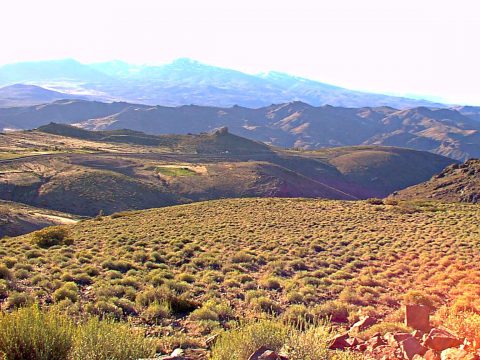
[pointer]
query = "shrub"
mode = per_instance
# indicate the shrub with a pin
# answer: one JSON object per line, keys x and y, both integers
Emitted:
{"x": 383, "y": 328}
{"x": 5, "y": 273}
{"x": 105, "y": 340}
{"x": 239, "y": 343}
{"x": 375, "y": 201}
{"x": 67, "y": 291}
{"x": 310, "y": 344}
{"x": 9, "y": 261}
{"x": 333, "y": 310}
{"x": 156, "y": 312}
{"x": 418, "y": 298}
{"x": 51, "y": 236}
{"x": 18, "y": 299}
{"x": 30, "y": 334}
{"x": 265, "y": 304}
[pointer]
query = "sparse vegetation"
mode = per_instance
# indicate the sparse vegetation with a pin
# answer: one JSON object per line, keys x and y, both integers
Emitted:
{"x": 205, "y": 266}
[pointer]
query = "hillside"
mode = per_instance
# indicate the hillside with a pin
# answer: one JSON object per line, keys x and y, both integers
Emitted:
{"x": 446, "y": 132}
{"x": 17, "y": 219}
{"x": 27, "y": 95}
{"x": 185, "y": 81}
{"x": 77, "y": 171}
{"x": 456, "y": 183}
{"x": 189, "y": 271}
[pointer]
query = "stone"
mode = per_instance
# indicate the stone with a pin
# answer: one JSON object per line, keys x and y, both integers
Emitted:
{"x": 255, "y": 355}
{"x": 263, "y": 353}
{"x": 418, "y": 334}
{"x": 432, "y": 355}
{"x": 353, "y": 341}
{"x": 411, "y": 347}
{"x": 363, "y": 324}
{"x": 339, "y": 342}
{"x": 211, "y": 341}
{"x": 177, "y": 352}
{"x": 375, "y": 342}
{"x": 439, "y": 339}
{"x": 393, "y": 339}
{"x": 457, "y": 354}
{"x": 417, "y": 317}
{"x": 361, "y": 347}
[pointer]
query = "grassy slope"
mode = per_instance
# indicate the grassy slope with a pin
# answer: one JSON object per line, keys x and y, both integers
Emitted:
{"x": 256, "y": 254}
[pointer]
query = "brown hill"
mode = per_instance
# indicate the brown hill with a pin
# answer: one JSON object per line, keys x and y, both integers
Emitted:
{"x": 85, "y": 172}
{"x": 294, "y": 125}
{"x": 17, "y": 219}
{"x": 457, "y": 182}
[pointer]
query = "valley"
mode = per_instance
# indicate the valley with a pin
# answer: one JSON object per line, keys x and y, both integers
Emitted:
{"x": 67, "y": 169}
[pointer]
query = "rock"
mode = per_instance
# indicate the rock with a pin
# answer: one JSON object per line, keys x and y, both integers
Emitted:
{"x": 439, "y": 339}
{"x": 375, "y": 342}
{"x": 177, "y": 352}
{"x": 418, "y": 357}
{"x": 363, "y": 324}
{"x": 417, "y": 317}
{"x": 457, "y": 354}
{"x": 383, "y": 352}
{"x": 339, "y": 342}
{"x": 394, "y": 339}
{"x": 263, "y": 353}
{"x": 271, "y": 355}
{"x": 360, "y": 347}
{"x": 432, "y": 355}
{"x": 352, "y": 341}
{"x": 411, "y": 347}
{"x": 418, "y": 334}
{"x": 211, "y": 341}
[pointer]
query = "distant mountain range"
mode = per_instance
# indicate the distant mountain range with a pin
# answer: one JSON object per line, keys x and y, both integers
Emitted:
{"x": 450, "y": 132}
{"x": 182, "y": 82}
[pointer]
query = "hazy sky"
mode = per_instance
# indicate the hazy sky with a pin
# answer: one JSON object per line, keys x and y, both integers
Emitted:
{"x": 420, "y": 47}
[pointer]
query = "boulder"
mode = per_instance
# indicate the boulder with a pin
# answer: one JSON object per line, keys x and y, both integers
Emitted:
{"x": 363, "y": 324}
{"x": 411, "y": 347}
{"x": 339, "y": 342}
{"x": 432, "y": 355}
{"x": 417, "y": 317}
{"x": 263, "y": 353}
{"x": 375, "y": 342}
{"x": 439, "y": 339}
{"x": 457, "y": 354}
{"x": 353, "y": 341}
{"x": 394, "y": 339}
{"x": 418, "y": 334}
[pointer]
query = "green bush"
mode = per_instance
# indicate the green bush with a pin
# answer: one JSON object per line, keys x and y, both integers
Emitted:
{"x": 67, "y": 291}
{"x": 239, "y": 343}
{"x": 5, "y": 273}
{"x": 51, "y": 236}
{"x": 107, "y": 340}
{"x": 30, "y": 334}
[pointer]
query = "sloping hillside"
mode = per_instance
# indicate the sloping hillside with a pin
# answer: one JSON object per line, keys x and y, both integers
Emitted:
{"x": 185, "y": 272}
{"x": 109, "y": 171}
{"x": 17, "y": 219}
{"x": 27, "y": 95}
{"x": 456, "y": 183}
{"x": 293, "y": 125}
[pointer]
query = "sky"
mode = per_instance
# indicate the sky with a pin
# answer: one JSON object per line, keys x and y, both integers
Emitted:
{"x": 420, "y": 48}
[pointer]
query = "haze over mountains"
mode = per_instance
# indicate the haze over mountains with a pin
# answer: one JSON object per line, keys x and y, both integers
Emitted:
{"x": 185, "y": 82}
